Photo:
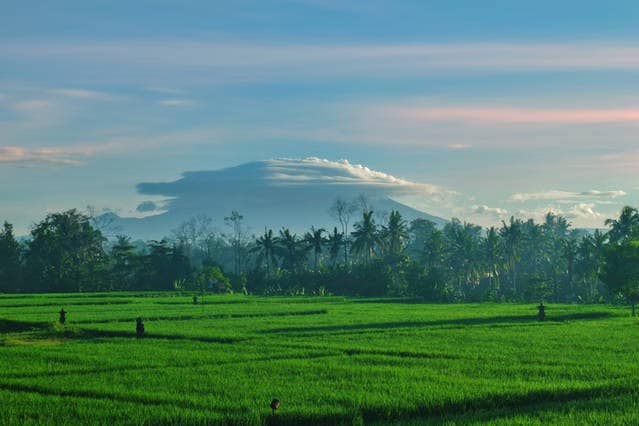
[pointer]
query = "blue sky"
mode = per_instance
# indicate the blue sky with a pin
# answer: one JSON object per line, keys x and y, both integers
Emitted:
{"x": 518, "y": 107}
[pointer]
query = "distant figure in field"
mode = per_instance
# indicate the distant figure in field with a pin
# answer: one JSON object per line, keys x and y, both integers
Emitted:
{"x": 195, "y": 300}
{"x": 275, "y": 404}
{"x": 139, "y": 328}
{"x": 63, "y": 316}
{"x": 542, "y": 311}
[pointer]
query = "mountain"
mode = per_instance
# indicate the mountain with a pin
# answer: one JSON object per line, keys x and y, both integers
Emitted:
{"x": 293, "y": 193}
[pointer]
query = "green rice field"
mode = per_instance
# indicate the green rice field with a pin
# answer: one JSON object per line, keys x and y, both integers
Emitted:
{"x": 330, "y": 360}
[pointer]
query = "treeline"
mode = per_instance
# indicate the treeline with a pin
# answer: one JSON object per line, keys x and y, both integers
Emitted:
{"x": 381, "y": 255}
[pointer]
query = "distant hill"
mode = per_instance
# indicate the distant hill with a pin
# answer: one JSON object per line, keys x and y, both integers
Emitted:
{"x": 293, "y": 193}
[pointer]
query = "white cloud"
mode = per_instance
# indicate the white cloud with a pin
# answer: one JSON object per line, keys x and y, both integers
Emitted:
{"x": 484, "y": 210}
{"x": 32, "y": 156}
{"x": 83, "y": 94}
{"x": 580, "y": 214}
{"x": 257, "y": 61}
{"x": 584, "y": 211}
{"x": 459, "y": 146}
{"x": 307, "y": 173}
{"x": 564, "y": 195}
{"x": 176, "y": 102}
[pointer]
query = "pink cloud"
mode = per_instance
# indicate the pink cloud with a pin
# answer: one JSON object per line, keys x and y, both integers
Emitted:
{"x": 509, "y": 115}
{"x": 30, "y": 156}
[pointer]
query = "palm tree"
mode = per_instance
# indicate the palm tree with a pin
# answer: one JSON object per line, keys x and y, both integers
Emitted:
{"x": 463, "y": 243}
{"x": 335, "y": 243}
{"x": 511, "y": 235}
{"x": 395, "y": 234}
{"x": 290, "y": 250}
{"x": 591, "y": 258}
{"x": 315, "y": 239}
{"x": 265, "y": 246}
{"x": 533, "y": 234}
{"x": 569, "y": 254}
{"x": 491, "y": 249}
{"x": 365, "y": 236}
{"x": 434, "y": 249}
{"x": 626, "y": 226}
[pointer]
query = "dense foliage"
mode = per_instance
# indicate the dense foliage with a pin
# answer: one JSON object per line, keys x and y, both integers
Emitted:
{"x": 382, "y": 255}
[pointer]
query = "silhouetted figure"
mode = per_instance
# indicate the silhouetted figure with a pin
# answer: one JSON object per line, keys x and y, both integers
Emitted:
{"x": 542, "y": 311}
{"x": 63, "y": 316}
{"x": 275, "y": 404}
{"x": 195, "y": 300}
{"x": 139, "y": 328}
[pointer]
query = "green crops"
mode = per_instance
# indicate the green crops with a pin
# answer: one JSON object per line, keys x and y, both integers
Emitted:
{"x": 329, "y": 360}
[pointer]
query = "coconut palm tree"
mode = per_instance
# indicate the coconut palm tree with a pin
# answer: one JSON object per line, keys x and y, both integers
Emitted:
{"x": 335, "y": 242}
{"x": 625, "y": 227}
{"x": 315, "y": 239}
{"x": 395, "y": 234}
{"x": 463, "y": 244}
{"x": 265, "y": 247}
{"x": 591, "y": 253}
{"x": 511, "y": 235}
{"x": 290, "y": 250}
{"x": 491, "y": 246}
{"x": 569, "y": 254}
{"x": 365, "y": 237}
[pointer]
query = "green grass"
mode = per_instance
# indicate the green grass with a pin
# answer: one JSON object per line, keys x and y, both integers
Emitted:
{"x": 329, "y": 360}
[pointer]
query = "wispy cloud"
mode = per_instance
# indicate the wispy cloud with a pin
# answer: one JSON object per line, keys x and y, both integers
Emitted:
{"x": 31, "y": 105}
{"x": 176, "y": 102}
{"x": 165, "y": 90}
{"x": 15, "y": 155}
{"x": 255, "y": 60}
{"x": 459, "y": 146}
{"x": 516, "y": 115}
{"x": 83, "y": 94}
{"x": 564, "y": 195}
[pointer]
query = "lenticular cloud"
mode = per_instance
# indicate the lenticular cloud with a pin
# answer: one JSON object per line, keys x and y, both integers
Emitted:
{"x": 293, "y": 193}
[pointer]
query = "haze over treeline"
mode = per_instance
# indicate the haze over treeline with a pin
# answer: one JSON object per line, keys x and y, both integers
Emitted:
{"x": 365, "y": 254}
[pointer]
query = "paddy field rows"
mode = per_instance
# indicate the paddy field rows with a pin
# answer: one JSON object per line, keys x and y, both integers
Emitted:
{"x": 330, "y": 360}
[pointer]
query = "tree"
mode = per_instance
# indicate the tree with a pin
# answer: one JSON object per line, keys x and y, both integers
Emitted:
{"x": 511, "y": 235}
{"x": 491, "y": 248}
{"x": 535, "y": 245}
{"x": 66, "y": 254}
{"x": 10, "y": 266}
{"x": 463, "y": 251}
{"x": 395, "y": 234}
{"x": 419, "y": 232}
{"x": 195, "y": 236}
{"x": 211, "y": 277}
{"x": 236, "y": 222}
{"x": 625, "y": 227}
{"x": 621, "y": 270}
{"x": 162, "y": 267}
{"x": 265, "y": 247}
{"x": 315, "y": 239}
{"x": 569, "y": 254}
{"x": 365, "y": 237}
{"x": 335, "y": 243}
{"x": 590, "y": 261}
{"x": 290, "y": 250}
{"x": 124, "y": 264}
{"x": 343, "y": 211}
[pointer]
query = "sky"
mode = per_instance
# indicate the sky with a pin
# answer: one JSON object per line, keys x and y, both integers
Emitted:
{"x": 516, "y": 107}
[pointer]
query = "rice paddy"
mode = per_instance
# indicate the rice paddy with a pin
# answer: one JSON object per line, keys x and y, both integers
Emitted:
{"x": 329, "y": 360}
